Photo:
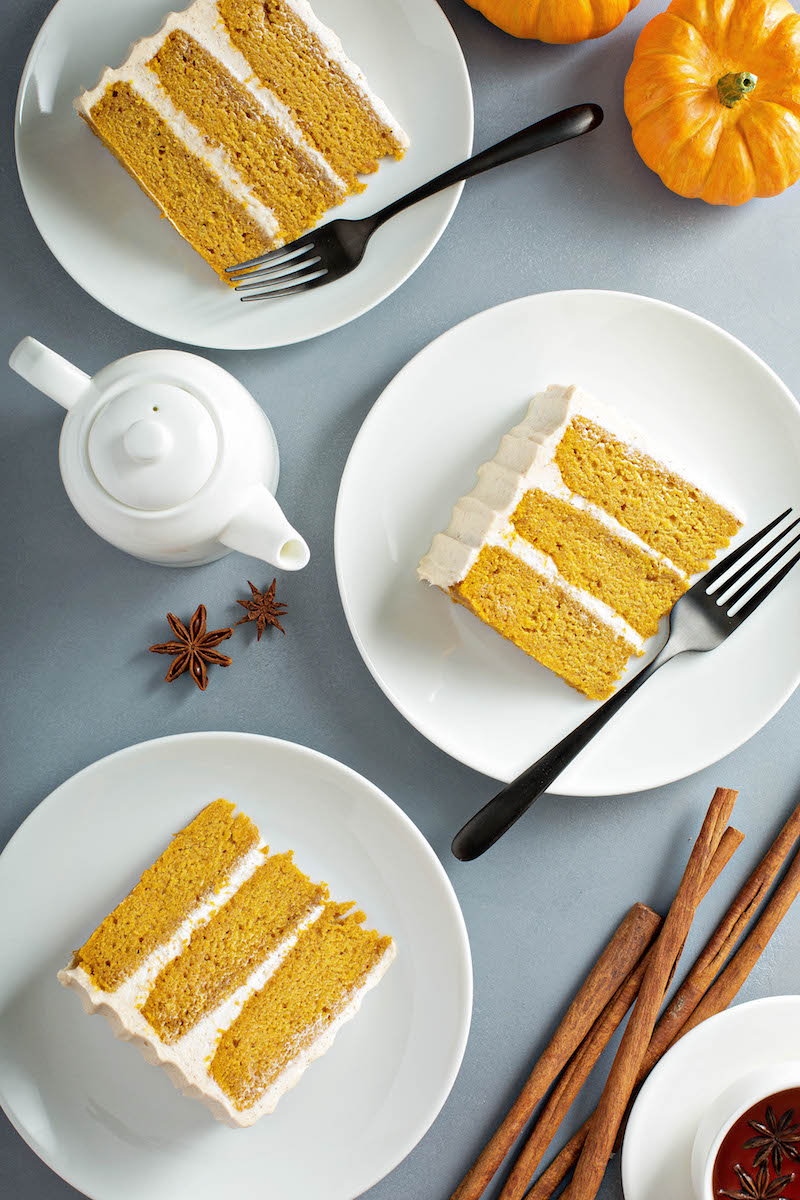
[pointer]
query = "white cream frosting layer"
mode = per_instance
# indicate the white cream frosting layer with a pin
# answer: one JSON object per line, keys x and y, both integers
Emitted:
{"x": 526, "y": 459}
{"x": 187, "y": 1060}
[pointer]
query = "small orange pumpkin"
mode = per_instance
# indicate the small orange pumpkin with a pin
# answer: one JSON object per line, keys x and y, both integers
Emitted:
{"x": 713, "y": 98}
{"x": 555, "y": 20}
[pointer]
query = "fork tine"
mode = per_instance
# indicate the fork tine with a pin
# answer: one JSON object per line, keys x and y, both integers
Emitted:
{"x": 721, "y": 567}
{"x": 727, "y": 584}
{"x": 279, "y": 284}
{"x": 762, "y": 594}
{"x": 281, "y": 271}
{"x": 733, "y": 600}
{"x": 292, "y": 289}
{"x": 271, "y": 257}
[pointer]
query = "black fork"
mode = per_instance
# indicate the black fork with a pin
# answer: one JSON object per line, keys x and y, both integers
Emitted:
{"x": 337, "y": 248}
{"x": 702, "y": 618}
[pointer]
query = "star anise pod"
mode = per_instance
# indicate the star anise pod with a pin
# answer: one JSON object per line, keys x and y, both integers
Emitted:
{"x": 760, "y": 1188}
{"x": 194, "y": 648}
{"x": 774, "y": 1138}
{"x": 264, "y": 609}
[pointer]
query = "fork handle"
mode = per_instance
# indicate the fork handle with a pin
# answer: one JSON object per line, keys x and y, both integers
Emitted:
{"x": 496, "y": 817}
{"x": 560, "y": 127}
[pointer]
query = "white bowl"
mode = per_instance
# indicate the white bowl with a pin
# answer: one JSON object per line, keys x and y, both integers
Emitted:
{"x": 726, "y": 1109}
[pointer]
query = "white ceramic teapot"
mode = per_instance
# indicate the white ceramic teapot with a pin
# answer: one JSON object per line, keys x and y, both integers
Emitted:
{"x": 167, "y": 456}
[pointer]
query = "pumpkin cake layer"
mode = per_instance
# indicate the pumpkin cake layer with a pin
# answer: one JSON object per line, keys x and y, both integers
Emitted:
{"x": 299, "y": 1005}
{"x": 253, "y": 971}
{"x": 244, "y": 121}
{"x": 577, "y": 539}
{"x": 671, "y": 514}
{"x": 527, "y": 608}
{"x": 197, "y": 864}
{"x": 218, "y": 222}
{"x": 639, "y": 586}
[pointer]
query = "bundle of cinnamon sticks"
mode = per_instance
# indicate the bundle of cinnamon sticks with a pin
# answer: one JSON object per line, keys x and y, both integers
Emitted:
{"x": 636, "y": 969}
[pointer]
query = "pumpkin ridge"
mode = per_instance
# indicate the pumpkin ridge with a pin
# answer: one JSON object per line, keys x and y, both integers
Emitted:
{"x": 656, "y": 106}
{"x": 748, "y": 188}
{"x": 784, "y": 108}
{"x": 709, "y": 51}
{"x": 711, "y": 157}
{"x": 712, "y": 118}
{"x": 742, "y": 132}
{"x": 696, "y": 21}
{"x": 681, "y": 58}
{"x": 793, "y": 109}
{"x": 783, "y": 36}
{"x": 788, "y": 155}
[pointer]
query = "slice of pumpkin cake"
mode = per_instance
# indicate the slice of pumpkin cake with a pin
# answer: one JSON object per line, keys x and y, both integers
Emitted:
{"x": 244, "y": 121}
{"x": 229, "y": 967}
{"x": 577, "y": 539}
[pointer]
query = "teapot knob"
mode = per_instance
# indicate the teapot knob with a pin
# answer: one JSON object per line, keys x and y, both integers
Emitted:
{"x": 147, "y": 441}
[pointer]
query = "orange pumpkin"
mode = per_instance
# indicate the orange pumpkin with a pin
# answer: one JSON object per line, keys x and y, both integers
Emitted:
{"x": 555, "y": 20}
{"x": 713, "y": 98}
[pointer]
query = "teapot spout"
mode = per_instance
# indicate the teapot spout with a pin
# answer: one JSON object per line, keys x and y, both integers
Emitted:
{"x": 261, "y": 529}
{"x": 49, "y": 372}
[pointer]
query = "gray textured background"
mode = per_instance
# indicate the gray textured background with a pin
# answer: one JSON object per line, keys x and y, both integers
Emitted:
{"x": 76, "y": 614}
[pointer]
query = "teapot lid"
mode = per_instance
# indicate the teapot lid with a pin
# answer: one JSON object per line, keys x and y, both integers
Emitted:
{"x": 153, "y": 446}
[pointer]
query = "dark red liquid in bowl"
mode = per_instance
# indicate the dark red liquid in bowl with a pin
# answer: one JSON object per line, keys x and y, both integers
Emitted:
{"x": 760, "y": 1156}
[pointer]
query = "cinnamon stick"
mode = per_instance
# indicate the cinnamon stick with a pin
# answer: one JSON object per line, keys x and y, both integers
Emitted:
{"x": 583, "y": 1061}
{"x": 629, "y": 943}
{"x": 599, "y": 1145}
{"x": 693, "y": 1003}
{"x": 560, "y": 1167}
{"x": 720, "y": 995}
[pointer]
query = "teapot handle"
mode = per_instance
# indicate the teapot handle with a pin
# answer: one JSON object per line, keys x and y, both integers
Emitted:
{"x": 49, "y": 372}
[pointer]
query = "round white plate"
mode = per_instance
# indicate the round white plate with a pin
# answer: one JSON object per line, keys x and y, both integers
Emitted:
{"x": 475, "y": 695}
{"x": 657, "y": 1151}
{"x": 115, "y": 1127}
{"x": 108, "y": 235}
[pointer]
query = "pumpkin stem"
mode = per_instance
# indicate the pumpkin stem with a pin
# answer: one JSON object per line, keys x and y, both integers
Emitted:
{"x": 731, "y": 88}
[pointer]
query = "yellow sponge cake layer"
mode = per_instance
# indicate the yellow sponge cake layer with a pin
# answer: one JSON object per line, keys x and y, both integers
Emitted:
{"x": 307, "y": 992}
{"x": 639, "y": 586}
{"x": 195, "y": 865}
{"x": 289, "y": 57}
{"x": 269, "y": 161}
{"x": 243, "y": 933}
{"x": 188, "y": 191}
{"x": 667, "y": 511}
{"x": 545, "y": 621}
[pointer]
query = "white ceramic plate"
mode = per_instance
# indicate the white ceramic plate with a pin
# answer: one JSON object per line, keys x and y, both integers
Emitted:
{"x": 108, "y": 235}
{"x": 115, "y": 1127}
{"x": 476, "y": 696}
{"x": 657, "y": 1151}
